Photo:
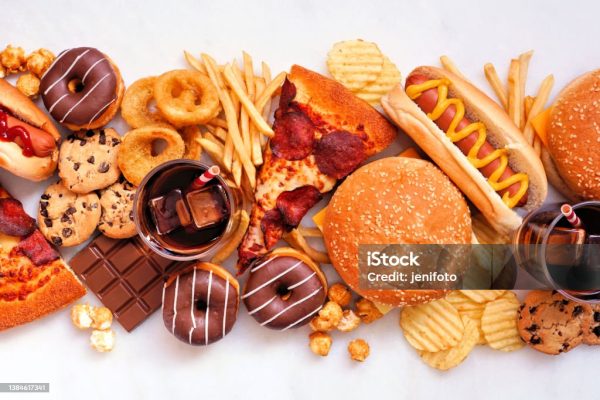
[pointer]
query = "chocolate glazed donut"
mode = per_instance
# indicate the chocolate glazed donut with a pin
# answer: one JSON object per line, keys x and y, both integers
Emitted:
{"x": 80, "y": 85}
{"x": 285, "y": 288}
{"x": 200, "y": 305}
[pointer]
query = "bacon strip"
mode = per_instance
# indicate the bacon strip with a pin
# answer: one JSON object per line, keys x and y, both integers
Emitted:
{"x": 14, "y": 221}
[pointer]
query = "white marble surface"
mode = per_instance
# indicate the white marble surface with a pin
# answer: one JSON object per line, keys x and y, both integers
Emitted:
{"x": 147, "y": 37}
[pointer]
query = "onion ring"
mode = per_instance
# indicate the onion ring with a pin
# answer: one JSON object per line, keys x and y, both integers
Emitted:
{"x": 135, "y": 108}
{"x": 136, "y": 155}
{"x": 186, "y": 98}
{"x": 191, "y": 136}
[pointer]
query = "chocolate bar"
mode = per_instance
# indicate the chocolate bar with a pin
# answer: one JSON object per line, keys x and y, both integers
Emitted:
{"x": 126, "y": 276}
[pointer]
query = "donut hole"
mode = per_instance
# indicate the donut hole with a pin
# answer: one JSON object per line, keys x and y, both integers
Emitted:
{"x": 75, "y": 85}
{"x": 283, "y": 292}
{"x": 201, "y": 305}
{"x": 158, "y": 146}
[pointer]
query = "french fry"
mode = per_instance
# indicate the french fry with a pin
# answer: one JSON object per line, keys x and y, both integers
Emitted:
{"x": 244, "y": 118}
{"x": 218, "y": 122}
{"x": 527, "y": 103}
{"x": 221, "y": 134}
{"x": 497, "y": 86}
{"x": 194, "y": 62}
{"x": 524, "y": 60}
{"x": 236, "y": 170}
{"x": 515, "y": 105}
{"x": 214, "y": 151}
{"x": 266, "y": 74}
{"x": 538, "y": 105}
{"x": 254, "y": 115}
{"x": 297, "y": 241}
{"x": 449, "y": 65}
{"x": 271, "y": 88}
{"x": 310, "y": 231}
{"x": 255, "y": 135}
{"x": 231, "y": 117}
{"x": 242, "y": 225}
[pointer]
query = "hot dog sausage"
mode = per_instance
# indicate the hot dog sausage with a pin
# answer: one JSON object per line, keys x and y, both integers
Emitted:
{"x": 42, "y": 142}
{"x": 427, "y": 102}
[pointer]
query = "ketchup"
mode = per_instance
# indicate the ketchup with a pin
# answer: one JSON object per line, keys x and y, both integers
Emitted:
{"x": 10, "y": 134}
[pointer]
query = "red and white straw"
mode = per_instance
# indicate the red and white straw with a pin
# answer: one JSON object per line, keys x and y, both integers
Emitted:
{"x": 570, "y": 215}
{"x": 206, "y": 177}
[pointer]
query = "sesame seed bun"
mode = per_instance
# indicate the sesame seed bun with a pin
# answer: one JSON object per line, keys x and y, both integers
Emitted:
{"x": 394, "y": 200}
{"x": 574, "y": 135}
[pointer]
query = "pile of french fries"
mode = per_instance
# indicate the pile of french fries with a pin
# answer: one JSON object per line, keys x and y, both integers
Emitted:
{"x": 236, "y": 139}
{"x": 521, "y": 108}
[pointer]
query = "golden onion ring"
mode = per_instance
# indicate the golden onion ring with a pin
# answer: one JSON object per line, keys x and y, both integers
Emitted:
{"x": 135, "y": 108}
{"x": 191, "y": 136}
{"x": 186, "y": 98}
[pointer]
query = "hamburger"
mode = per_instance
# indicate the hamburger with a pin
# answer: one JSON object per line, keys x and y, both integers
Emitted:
{"x": 573, "y": 139}
{"x": 395, "y": 200}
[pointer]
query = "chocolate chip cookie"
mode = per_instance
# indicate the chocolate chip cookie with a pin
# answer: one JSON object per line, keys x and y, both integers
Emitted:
{"x": 591, "y": 326}
{"x": 88, "y": 160}
{"x": 550, "y": 323}
{"x": 66, "y": 218}
{"x": 116, "y": 202}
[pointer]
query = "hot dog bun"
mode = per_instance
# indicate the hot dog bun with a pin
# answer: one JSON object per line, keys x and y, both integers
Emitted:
{"x": 501, "y": 133}
{"x": 573, "y": 137}
{"x": 11, "y": 154}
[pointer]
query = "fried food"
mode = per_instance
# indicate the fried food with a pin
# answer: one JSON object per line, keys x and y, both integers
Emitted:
{"x": 186, "y": 97}
{"x": 389, "y": 77}
{"x": 137, "y": 156}
{"x": 135, "y": 108}
{"x": 191, "y": 136}
{"x": 499, "y": 323}
{"x": 355, "y": 63}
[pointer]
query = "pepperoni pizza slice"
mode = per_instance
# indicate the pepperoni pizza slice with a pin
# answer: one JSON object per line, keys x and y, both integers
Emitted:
{"x": 34, "y": 280}
{"x": 323, "y": 132}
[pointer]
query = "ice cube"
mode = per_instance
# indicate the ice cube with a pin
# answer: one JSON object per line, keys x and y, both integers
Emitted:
{"x": 565, "y": 246}
{"x": 208, "y": 206}
{"x": 164, "y": 212}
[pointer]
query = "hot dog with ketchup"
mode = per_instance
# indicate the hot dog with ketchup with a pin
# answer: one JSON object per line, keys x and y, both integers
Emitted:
{"x": 472, "y": 139}
{"x": 28, "y": 139}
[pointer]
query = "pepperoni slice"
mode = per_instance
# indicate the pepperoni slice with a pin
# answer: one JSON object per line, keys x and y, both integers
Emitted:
{"x": 294, "y": 204}
{"x": 339, "y": 153}
{"x": 37, "y": 249}
{"x": 294, "y": 136}
{"x": 14, "y": 221}
{"x": 272, "y": 227}
{"x": 288, "y": 93}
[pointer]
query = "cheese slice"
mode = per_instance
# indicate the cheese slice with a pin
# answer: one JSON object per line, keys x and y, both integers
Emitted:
{"x": 319, "y": 218}
{"x": 540, "y": 125}
{"x": 410, "y": 152}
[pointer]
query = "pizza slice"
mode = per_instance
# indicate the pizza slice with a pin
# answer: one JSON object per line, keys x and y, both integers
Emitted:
{"x": 323, "y": 132}
{"x": 34, "y": 280}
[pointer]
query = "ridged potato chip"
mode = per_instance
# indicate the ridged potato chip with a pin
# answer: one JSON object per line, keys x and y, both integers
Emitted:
{"x": 433, "y": 326}
{"x": 387, "y": 79}
{"x": 355, "y": 63}
{"x": 469, "y": 308}
{"x": 483, "y": 296}
{"x": 499, "y": 323}
{"x": 446, "y": 359}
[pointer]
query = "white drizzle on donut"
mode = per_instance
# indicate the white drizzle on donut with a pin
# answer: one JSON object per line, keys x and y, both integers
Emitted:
{"x": 83, "y": 98}
{"x": 295, "y": 285}
{"x": 263, "y": 305}
{"x": 267, "y": 283}
{"x": 57, "y": 101}
{"x": 100, "y": 111}
{"x": 61, "y": 55}
{"x": 226, "y": 306}
{"x": 207, "y": 313}
{"x": 66, "y": 72}
{"x": 90, "y": 69}
{"x": 293, "y": 324}
{"x": 302, "y": 300}
{"x": 193, "y": 296}
{"x": 259, "y": 266}
{"x": 175, "y": 304}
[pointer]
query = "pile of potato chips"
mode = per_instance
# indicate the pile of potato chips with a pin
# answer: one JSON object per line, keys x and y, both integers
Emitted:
{"x": 363, "y": 68}
{"x": 445, "y": 331}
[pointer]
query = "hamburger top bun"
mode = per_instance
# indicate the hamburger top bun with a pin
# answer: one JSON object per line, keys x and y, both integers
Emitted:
{"x": 574, "y": 135}
{"x": 392, "y": 201}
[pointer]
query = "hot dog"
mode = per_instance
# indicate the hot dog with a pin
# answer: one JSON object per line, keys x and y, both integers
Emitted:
{"x": 427, "y": 102}
{"x": 471, "y": 139}
{"x": 28, "y": 139}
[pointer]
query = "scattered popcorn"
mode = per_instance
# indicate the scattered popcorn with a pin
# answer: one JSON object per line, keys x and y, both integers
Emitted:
{"x": 81, "y": 316}
{"x": 367, "y": 311}
{"x": 39, "y": 61}
{"x": 320, "y": 343}
{"x": 358, "y": 349}
{"x": 349, "y": 322}
{"x": 328, "y": 319}
{"x": 101, "y": 318}
{"x": 13, "y": 59}
{"x": 102, "y": 341}
{"x": 29, "y": 85}
{"x": 340, "y": 293}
